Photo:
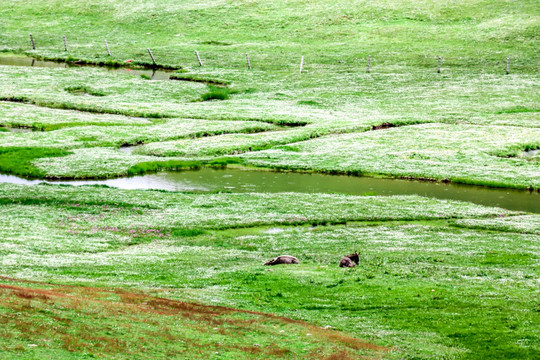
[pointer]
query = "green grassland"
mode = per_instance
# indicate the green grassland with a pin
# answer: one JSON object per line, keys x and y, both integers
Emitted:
{"x": 99, "y": 272}
{"x": 163, "y": 115}
{"x": 433, "y": 282}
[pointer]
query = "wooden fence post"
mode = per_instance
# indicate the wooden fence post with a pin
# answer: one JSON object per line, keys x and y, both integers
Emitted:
{"x": 198, "y": 57}
{"x": 248, "y": 63}
{"x": 151, "y": 55}
{"x": 107, "y": 46}
{"x": 507, "y": 65}
{"x": 32, "y": 41}
{"x": 439, "y": 66}
{"x": 65, "y": 43}
{"x": 301, "y": 64}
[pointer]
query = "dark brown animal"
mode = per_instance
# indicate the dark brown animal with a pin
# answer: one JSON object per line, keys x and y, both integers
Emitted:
{"x": 385, "y": 125}
{"x": 283, "y": 259}
{"x": 350, "y": 260}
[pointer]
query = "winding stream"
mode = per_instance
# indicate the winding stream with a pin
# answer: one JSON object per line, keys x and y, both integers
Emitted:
{"x": 236, "y": 180}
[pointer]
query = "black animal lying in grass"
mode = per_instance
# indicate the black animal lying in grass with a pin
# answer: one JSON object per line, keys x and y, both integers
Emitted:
{"x": 350, "y": 260}
{"x": 283, "y": 259}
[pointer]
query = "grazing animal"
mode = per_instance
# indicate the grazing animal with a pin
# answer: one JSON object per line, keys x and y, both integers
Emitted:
{"x": 350, "y": 260}
{"x": 283, "y": 259}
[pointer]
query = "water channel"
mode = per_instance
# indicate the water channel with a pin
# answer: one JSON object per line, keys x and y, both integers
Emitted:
{"x": 236, "y": 180}
{"x": 153, "y": 74}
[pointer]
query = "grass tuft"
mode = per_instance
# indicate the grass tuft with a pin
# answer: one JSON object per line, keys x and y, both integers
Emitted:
{"x": 217, "y": 93}
{"x": 82, "y": 90}
{"x": 155, "y": 166}
{"x": 308, "y": 102}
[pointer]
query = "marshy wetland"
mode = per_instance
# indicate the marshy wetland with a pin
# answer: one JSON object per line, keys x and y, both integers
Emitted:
{"x": 192, "y": 185}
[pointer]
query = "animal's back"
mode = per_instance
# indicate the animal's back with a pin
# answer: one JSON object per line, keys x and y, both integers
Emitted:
{"x": 283, "y": 259}
{"x": 346, "y": 262}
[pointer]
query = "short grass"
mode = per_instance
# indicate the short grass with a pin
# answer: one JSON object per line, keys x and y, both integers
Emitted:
{"x": 471, "y": 154}
{"x": 19, "y": 160}
{"x": 425, "y": 287}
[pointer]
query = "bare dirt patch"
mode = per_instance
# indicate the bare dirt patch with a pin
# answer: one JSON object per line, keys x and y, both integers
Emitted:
{"x": 203, "y": 327}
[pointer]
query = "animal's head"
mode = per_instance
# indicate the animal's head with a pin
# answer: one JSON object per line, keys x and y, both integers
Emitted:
{"x": 354, "y": 257}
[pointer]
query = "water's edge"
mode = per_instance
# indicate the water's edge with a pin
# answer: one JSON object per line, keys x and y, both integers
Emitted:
{"x": 152, "y": 74}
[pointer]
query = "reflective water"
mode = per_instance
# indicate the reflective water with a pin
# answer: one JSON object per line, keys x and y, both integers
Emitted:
{"x": 531, "y": 153}
{"x": 28, "y": 61}
{"x": 17, "y": 129}
{"x": 235, "y": 180}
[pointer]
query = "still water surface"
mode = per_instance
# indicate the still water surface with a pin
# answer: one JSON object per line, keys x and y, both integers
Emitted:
{"x": 236, "y": 180}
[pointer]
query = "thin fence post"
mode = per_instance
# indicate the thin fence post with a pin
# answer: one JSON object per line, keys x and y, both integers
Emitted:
{"x": 248, "y": 63}
{"x": 32, "y": 41}
{"x": 65, "y": 43}
{"x": 107, "y": 46}
{"x": 368, "y": 63}
{"x": 198, "y": 57}
{"x": 301, "y": 64}
{"x": 507, "y": 65}
{"x": 151, "y": 55}
{"x": 439, "y": 66}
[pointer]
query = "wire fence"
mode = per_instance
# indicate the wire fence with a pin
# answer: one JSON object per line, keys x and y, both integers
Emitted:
{"x": 245, "y": 56}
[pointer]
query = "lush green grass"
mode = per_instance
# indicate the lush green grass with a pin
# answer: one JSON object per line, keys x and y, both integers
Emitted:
{"x": 125, "y": 93}
{"x": 475, "y": 33}
{"x": 424, "y": 287}
{"x": 469, "y": 154}
{"x": 19, "y": 160}
{"x": 175, "y": 165}
{"x": 217, "y": 93}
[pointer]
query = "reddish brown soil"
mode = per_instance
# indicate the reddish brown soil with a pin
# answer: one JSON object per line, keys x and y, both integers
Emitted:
{"x": 137, "y": 305}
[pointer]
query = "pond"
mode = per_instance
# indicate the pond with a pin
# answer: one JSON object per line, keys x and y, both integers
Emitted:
{"x": 236, "y": 180}
{"x": 531, "y": 153}
{"x": 153, "y": 74}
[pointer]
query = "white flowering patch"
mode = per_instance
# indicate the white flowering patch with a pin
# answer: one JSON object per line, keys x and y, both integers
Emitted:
{"x": 529, "y": 224}
{"x": 163, "y": 210}
{"x": 27, "y": 115}
{"x": 91, "y": 136}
